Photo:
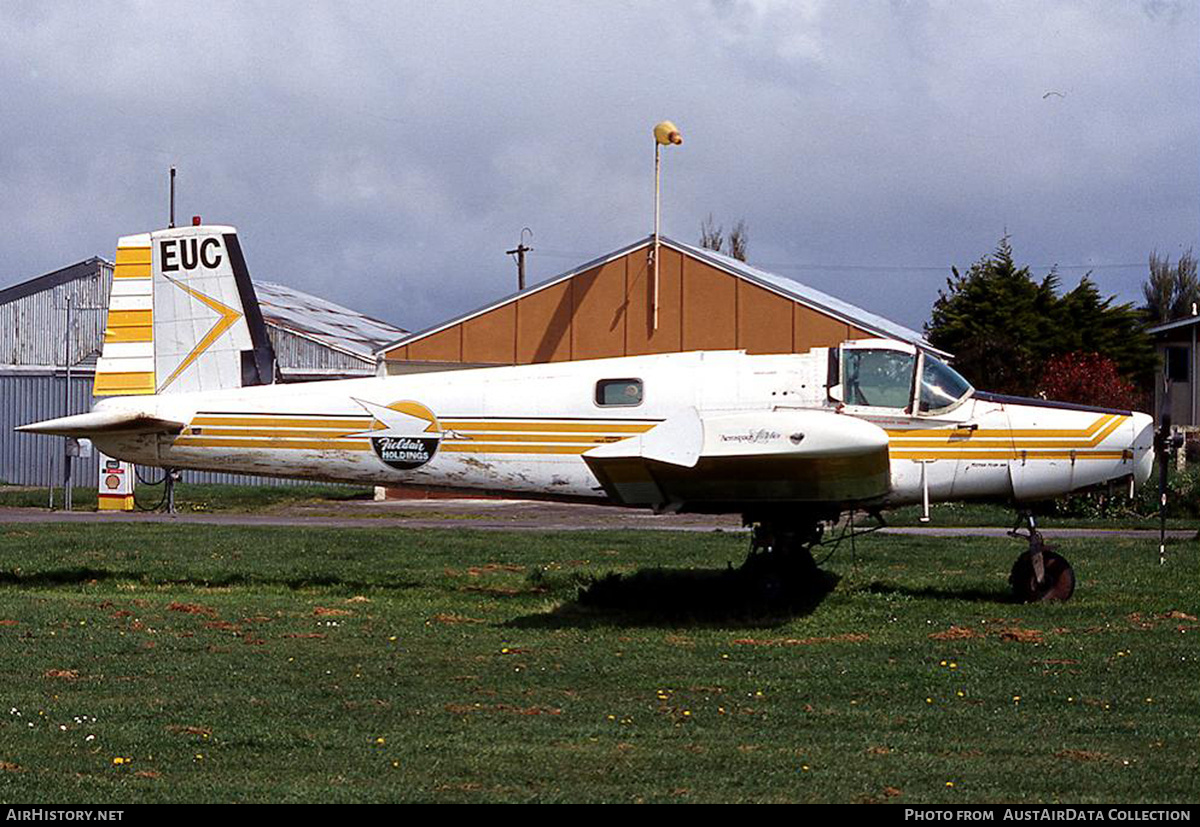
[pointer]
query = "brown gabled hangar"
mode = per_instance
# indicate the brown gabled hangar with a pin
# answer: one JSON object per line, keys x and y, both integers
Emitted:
{"x": 707, "y": 301}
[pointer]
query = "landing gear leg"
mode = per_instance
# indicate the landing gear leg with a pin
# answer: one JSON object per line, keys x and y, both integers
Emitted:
{"x": 1039, "y": 573}
{"x": 780, "y": 563}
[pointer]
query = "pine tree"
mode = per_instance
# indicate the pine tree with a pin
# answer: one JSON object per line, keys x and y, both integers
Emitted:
{"x": 1003, "y": 326}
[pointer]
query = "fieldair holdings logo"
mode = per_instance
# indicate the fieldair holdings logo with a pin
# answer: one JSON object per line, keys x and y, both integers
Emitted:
{"x": 405, "y": 435}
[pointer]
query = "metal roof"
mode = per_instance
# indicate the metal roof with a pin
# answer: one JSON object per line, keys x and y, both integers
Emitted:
{"x": 83, "y": 269}
{"x": 322, "y": 321}
{"x": 1165, "y": 326}
{"x": 782, "y": 285}
{"x": 811, "y": 297}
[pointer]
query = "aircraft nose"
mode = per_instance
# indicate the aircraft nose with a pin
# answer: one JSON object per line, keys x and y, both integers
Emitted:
{"x": 1143, "y": 447}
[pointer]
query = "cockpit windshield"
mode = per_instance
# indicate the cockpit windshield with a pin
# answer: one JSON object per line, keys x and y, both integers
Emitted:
{"x": 879, "y": 378}
{"x": 941, "y": 386}
{"x": 883, "y": 378}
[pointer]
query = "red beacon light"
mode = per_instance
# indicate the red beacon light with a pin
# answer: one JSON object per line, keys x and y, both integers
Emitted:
{"x": 195, "y": 221}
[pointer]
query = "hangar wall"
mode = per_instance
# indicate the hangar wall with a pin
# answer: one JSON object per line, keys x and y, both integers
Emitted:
{"x": 607, "y": 310}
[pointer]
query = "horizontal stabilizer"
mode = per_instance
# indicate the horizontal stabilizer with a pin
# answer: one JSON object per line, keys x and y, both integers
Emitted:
{"x": 103, "y": 422}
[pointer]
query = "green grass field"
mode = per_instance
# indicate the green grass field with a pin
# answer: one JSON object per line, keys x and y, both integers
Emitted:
{"x": 194, "y": 663}
{"x": 195, "y": 498}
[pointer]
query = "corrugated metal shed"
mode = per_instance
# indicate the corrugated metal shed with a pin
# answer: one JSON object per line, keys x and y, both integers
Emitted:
{"x": 313, "y": 338}
{"x": 33, "y": 316}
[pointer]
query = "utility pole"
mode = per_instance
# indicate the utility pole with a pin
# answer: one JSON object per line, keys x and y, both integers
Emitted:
{"x": 70, "y": 446}
{"x": 520, "y": 252}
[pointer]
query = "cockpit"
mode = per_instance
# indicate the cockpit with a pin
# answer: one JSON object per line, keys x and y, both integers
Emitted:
{"x": 880, "y": 373}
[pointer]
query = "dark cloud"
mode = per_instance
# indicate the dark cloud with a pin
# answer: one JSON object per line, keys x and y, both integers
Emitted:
{"x": 386, "y": 155}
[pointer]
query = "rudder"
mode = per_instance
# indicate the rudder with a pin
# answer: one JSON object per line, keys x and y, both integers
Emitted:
{"x": 182, "y": 316}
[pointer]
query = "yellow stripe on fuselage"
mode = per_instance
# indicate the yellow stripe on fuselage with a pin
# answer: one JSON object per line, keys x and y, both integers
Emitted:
{"x": 1075, "y": 433}
{"x": 467, "y": 436}
{"x": 288, "y": 444}
{"x": 1025, "y": 443}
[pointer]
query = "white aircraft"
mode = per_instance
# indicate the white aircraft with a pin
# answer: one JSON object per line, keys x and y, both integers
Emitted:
{"x": 790, "y": 442}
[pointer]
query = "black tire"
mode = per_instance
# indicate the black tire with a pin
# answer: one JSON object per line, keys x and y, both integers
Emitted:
{"x": 1059, "y": 581}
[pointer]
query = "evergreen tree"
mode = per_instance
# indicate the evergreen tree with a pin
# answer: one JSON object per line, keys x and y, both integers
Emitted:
{"x": 1003, "y": 326}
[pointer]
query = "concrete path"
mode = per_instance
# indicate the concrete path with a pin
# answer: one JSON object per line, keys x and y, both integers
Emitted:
{"x": 518, "y": 515}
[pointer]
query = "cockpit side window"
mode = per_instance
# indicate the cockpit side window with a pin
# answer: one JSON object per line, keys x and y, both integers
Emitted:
{"x": 878, "y": 378}
{"x": 619, "y": 392}
{"x": 941, "y": 386}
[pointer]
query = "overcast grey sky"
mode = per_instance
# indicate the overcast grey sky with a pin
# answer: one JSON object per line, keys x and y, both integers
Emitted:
{"x": 385, "y": 155}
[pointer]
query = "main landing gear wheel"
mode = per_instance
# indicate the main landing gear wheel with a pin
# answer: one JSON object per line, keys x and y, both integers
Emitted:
{"x": 1058, "y": 578}
{"x": 1039, "y": 573}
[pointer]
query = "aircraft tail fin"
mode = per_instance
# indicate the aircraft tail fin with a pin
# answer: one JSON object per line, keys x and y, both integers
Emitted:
{"x": 182, "y": 316}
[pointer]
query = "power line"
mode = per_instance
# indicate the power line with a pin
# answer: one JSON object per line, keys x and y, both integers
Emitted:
{"x": 942, "y": 268}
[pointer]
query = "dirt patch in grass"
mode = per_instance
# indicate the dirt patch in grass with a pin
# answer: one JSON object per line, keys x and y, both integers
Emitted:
{"x": 491, "y": 568}
{"x": 467, "y": 709}
{"x": 192, "y": 609}
{"x": 322, "y": 611}
{"x": 62, "y": 674}
{"x": 222, "y": 626}
{"x": 180, "y": 729}
{"x": 956, "y": 633}
{"x": 1018, "y": 635}
{"x": 497, "y": 591}
{"x": 449, "y": 618}
{"x": 851, "y": 637}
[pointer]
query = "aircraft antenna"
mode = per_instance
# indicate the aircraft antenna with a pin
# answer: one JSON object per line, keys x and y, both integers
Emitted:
{"x": 171, "y": 217}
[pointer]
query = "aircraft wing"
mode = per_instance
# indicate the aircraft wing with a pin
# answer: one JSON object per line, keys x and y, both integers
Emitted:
{"x": 712, "y": 462}
{"x": 98, "y": 423}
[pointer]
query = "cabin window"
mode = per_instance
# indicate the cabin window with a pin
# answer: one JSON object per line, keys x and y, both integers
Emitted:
{"x": 878, "y": 378}
{"x": 611, "y": 393}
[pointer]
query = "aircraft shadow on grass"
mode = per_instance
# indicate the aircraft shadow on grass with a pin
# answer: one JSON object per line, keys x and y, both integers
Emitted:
{"x": 975, "y": 595}
{"x": 660, "y": 596}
